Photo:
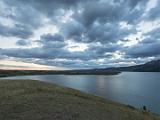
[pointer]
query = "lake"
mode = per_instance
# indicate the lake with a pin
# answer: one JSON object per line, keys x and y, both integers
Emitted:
{"x": 133, "y": 88}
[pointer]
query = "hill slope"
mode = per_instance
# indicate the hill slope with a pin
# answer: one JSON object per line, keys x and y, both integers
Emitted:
{"x": 152, "y": 66}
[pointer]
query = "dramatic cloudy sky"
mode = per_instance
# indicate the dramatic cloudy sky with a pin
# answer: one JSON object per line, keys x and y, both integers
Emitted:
{"x": 74, "y": 34}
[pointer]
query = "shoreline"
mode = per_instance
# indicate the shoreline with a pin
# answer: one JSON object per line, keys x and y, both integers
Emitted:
{"x": 21, "y": 94}
{"x": 10, "y": 73}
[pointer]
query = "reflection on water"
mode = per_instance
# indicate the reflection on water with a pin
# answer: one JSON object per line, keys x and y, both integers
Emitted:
{"x": 134, "y": 88}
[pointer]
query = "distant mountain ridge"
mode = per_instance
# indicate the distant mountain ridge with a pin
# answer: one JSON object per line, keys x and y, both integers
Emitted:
{"x": 152, "y": 66}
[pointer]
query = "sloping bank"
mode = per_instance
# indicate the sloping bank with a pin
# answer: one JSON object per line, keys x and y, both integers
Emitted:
{"x": 33, "y": 100}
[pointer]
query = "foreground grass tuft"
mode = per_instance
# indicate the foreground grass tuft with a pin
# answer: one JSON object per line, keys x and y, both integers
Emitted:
{"x": 33, "y": 100}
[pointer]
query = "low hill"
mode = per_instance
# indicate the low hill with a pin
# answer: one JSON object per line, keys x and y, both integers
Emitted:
{"x": 152, "y": 66}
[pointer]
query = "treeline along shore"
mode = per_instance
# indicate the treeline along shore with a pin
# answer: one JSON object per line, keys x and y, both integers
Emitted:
{"x": 7, "y": 73}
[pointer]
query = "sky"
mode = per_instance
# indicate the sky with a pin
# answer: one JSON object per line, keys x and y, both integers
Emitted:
{"x": 78, "y": 34}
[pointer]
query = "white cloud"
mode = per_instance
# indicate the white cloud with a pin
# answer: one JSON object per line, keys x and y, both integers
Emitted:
{"x": 76, "y": 47}
{"x": 46, "y": 29}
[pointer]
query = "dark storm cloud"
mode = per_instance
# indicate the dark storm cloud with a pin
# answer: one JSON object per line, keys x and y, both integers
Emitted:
{"x": 23, "y": 43}
{"x": 50, "y": 37}
{"x": 16, "y": 31}
{"x": 99, "y": 21}
{"x": 134, "y": 3}
{"x": 73, "y": 30}
{"x": 102, "y": 12}
{"x": 145, "y": 50}
{"x": 148, "y": 47}
{"x": 49, "y": 41}
{"x": 30, "y": 13}
{"x": 101, "y": 49}
{"x": 106, "y": 33}
{"x": 109, "y": 11}
{"x": 27, "y": 16}
{"x": 53, "y": 47}
{"x": 47, "y": 7}
{"x": 92, "y": 22}
{"x": 25, "y": 19}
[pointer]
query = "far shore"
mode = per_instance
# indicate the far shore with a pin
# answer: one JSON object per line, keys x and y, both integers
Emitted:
{"x": 8, "y": 73}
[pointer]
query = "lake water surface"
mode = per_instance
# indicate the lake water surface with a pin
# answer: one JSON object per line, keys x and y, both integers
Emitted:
{"x": 133, "y": 88}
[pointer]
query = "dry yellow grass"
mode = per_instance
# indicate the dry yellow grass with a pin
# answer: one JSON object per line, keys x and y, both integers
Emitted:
{"x": 33, "y": 100}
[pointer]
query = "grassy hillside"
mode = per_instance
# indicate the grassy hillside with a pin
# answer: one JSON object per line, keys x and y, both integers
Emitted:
{"x": 33, "y": 100}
